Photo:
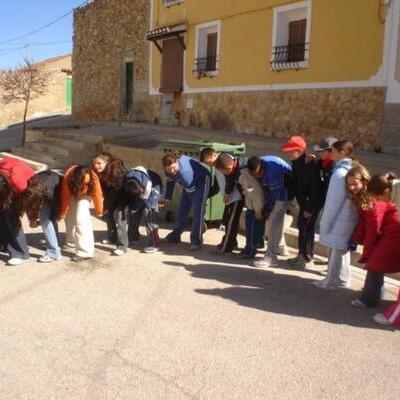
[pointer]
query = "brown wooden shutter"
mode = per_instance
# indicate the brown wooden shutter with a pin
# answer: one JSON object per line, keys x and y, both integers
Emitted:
{"x": 212, "y": 40}
{"x": 172, "y": 66}
{"x": 297, "y": 39}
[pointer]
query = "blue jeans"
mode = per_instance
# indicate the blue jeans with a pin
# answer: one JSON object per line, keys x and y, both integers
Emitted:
{"x": 196, "y": 200}
{"x": 50, "y": 232}
{"x": 254, "y": 233}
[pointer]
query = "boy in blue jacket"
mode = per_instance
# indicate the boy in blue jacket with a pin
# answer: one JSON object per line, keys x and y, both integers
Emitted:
{"x": 141, "y": 192}
{"x": 195, "y": 181}
{"x": 273, "y": 173}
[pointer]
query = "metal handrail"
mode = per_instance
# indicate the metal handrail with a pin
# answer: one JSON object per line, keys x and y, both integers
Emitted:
{"x": 289, "y": 56}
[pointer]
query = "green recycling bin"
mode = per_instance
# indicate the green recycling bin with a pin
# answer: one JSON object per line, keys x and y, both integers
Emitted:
{"x": 215, "y": 205}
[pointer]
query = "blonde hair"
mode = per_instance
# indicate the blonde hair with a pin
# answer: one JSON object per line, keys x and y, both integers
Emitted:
{"x": 361, "y": 200}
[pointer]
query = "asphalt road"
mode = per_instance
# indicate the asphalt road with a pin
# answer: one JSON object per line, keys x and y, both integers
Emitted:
{"x": 180, "y": 325}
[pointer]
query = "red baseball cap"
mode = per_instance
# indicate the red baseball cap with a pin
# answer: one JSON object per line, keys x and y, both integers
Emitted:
{"x": 295, "y": 143}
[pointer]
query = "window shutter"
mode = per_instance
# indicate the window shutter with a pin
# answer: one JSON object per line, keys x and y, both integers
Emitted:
{"x": 297, "y": 39}
{"x": 172, "y": 66}
{"x": 212, "y": 40}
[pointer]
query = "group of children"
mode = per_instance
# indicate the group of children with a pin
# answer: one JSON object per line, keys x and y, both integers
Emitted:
{"x": 328, "y": 185}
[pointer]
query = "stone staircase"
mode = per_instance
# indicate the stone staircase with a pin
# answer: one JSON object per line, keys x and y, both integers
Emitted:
{"x": 57, "y": 149}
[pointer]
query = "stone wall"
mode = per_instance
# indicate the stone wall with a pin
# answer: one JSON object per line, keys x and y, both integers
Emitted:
{"x": 53, "y": 101}
{"x": 106, "y": 35}
{"x": 344, "y": 113}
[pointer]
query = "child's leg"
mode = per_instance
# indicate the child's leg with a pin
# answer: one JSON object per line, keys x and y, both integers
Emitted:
{"x": 50, "y": 232}
{"x": 370, "y": 294}
{"x": 182, "y": 217}
{"x": 249, "y": 228}
{"x": 121, "y": 225}
{"x": 276, "y": 221}
{"x": 133, "y": 225}
{"x": 338, "y": 268}
{"x": 229, "y": 241}
{"x": 112, "y": 233}
{"x": 151, "y": 220}
{"x": 70, "y": 222}
{"x": 16, "y": 240}
{"x": 199, "y": 207}
{"x": 307, "y": 235}
{"x": 84, "y": 239}
{"x": 393, "y": 312}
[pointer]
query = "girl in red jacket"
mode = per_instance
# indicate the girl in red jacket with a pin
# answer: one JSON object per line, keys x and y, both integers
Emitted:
{"x": 14, "y": 176}
{"x": 378, "y": 230}
{"x": 388, "y": 188}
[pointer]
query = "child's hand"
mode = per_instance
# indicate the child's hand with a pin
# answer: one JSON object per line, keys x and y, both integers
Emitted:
{"x": 310, "y": 158}
{"x": 258, "y": 214}
{"x": 226, "y": 199}
{"x": 306, "y": 214}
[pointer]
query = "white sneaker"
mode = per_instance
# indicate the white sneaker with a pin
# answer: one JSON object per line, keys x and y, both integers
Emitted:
{"x": 323, "y": 285}
{"x": 118, "y": 252}
{"x": 381, "y": 319}
{"x": 106, "y": 241}
{"x": 48, "y": 259}
{"x": 17, "y": 261}
{"x": 265, "y": 263}
{"x": 150, "y": 250}
{"x": 357, "y": 303}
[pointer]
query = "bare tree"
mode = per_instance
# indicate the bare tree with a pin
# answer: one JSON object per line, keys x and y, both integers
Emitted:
{"x": 22, "y": 84}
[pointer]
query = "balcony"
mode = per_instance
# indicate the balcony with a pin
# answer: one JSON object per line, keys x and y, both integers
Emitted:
{"x": 290, "y": 57}
{"x": 169, "y": 3}
{"x": 205, "y": 66}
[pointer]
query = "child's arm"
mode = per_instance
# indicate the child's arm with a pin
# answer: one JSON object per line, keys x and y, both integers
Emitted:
{"x": 335, "y": 199}
{"x": 372, "y": 232}
{"x": 97, "y": 195}
{"x": 65, "y": 194}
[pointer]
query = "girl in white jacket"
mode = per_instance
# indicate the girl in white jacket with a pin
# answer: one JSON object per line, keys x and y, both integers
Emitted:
{"x": 338, "y": 219}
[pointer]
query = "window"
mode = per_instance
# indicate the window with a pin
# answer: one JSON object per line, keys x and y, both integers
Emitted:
{"x": 291, "y": 35}
{"x": 169, "y": 3}
{"x": 207, "y": 49}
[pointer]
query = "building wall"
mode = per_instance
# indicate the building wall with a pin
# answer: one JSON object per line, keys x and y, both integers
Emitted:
{"x": 346, "y": 41}
{"x": 53, "y": 101}
{"x": 106, "y": 34}
{"x": 338, "y": 94}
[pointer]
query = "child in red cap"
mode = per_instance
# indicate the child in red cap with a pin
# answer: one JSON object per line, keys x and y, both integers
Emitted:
{"x": 306, "y": 186}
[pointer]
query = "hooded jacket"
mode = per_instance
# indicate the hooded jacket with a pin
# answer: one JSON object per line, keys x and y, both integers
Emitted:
{"x": 16, "y": 173}
{"x": 340, "y": 215}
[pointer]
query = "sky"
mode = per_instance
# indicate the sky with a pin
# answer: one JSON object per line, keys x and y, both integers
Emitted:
{"x": 20, "y": 17}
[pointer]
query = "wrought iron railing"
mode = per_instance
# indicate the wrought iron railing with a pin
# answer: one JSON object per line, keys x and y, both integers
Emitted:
{"x": 169, "y": 3}
{"x": 291, "y": 56}
{"x": 205, "y": 65}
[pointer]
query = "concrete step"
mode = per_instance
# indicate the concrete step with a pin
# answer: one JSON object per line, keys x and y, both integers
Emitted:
{"x": 37, "y": 166}
{"x": 68, "y": 144}
{"x": 51, "y": 149}
{"x": 34, "y": 135}
{"x": 39, "y": 156}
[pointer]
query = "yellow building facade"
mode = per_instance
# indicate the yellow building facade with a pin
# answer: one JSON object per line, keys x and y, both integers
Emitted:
{"x": 273, "y": 67}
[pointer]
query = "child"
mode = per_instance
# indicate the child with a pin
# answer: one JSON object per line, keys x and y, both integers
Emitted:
{"x": 338, "y": 219}
{"x": 230, "y": 167}
{"x": 111, "y": 174}
{"x": 41, "y": 201}
{"x": 378, "y": 230}
{"x": 254, "y": 218}
{"x": 325, "y": 163}
{"x": 79, "y": 187}
{"x": 272, "y": 173}
{"x": 14, "y": 176}
{"x": 195, "y": 180}
{"x": 111, "y": 180}
{"x": 140, "y": 196}
{"x": 308, "y": 190}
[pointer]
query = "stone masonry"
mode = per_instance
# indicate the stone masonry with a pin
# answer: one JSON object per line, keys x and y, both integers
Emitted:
{"x": 106, "y": 35}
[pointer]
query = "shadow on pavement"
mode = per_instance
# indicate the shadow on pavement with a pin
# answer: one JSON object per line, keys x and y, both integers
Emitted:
{"x": 270, "y": 291}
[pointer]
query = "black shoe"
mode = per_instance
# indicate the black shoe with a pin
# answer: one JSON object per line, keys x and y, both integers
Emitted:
{"x": 79, "y": 258}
